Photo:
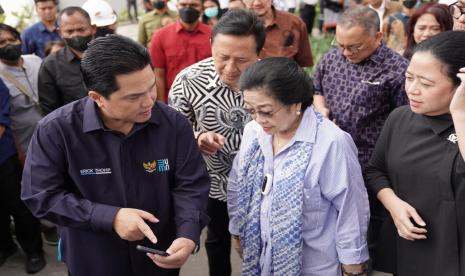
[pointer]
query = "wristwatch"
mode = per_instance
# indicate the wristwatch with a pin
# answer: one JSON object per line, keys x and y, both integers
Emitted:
{"x": 196, "y": 249}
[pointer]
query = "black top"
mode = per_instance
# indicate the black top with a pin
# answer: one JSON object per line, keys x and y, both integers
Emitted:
{"x": 60, "y": 80}
{"x": 418, "y": 157}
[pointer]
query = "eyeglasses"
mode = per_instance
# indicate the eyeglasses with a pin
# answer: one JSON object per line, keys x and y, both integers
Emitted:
{"x": 456, "y": 11}
{"x": 265, "y": 115}
{"x": 354, "y": 49}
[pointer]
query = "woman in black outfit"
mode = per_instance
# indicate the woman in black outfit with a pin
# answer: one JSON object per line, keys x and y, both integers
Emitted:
{"x": 417, "y": 171}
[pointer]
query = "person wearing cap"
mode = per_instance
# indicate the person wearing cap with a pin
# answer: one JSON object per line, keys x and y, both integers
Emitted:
{"x": 38, "y": 35}
{"x": 154, "y": 20}
{"x": 102, "y": 16}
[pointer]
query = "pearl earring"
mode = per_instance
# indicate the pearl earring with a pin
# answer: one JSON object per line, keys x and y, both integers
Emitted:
{"x": 298, "y": 113}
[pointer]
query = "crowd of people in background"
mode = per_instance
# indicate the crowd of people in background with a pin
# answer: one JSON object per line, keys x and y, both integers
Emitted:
{"x": 211, "y": 119}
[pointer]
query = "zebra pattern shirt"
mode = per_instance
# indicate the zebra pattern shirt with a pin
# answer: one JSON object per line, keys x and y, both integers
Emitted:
{"x": 210, "y": 105}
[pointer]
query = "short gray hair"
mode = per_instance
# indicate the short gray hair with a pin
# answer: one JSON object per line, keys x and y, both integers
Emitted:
{"x": 364, "y": 17}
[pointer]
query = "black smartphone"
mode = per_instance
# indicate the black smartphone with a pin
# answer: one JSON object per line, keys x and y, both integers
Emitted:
{"x": 152, "y": 250}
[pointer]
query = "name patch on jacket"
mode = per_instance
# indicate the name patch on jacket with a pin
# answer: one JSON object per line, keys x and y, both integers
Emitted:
{"x": 160, "y": 165}
{"x": 95, "y": 171}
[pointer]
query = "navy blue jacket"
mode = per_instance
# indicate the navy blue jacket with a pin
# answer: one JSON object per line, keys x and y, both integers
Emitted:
{"x": 78, "y": 173}
{"x": 7, "y": 144}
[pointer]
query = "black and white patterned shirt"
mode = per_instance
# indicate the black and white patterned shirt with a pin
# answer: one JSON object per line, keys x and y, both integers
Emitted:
{"x": 211, "y": 105}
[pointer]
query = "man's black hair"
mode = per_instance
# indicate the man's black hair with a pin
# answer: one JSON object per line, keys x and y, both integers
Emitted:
{"x": 54, "y": 1}
{"x": 110, "y": 56}
{"x": 72, "y": 10}
{"x": 11, "y": 30}
{"x": 241, "y": 22}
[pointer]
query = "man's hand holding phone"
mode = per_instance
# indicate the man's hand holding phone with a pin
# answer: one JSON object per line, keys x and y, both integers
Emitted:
{"x": 179, "y": 252}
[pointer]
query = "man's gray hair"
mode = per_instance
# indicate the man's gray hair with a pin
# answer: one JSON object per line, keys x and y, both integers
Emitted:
{"x": 364, "y": 17}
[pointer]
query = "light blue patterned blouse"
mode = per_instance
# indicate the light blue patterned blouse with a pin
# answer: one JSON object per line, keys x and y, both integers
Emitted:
{"x": 335, "y": 206}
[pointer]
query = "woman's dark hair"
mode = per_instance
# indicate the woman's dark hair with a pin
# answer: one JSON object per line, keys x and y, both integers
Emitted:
{"x": 283, "y": 78}
{"x": 241, "y": 22}
{"x": 447, "y": 48}
{"x": 110, "y": 56}
{"x": 11, "y": 30}
{"x": 439, "y": 11}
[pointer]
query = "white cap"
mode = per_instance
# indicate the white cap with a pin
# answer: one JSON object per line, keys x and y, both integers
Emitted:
{"x": 100, "y": 12}
{"x": 447, "y": 2}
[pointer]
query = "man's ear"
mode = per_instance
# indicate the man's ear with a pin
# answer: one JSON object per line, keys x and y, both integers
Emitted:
{"x": 96, "y": 97}
{"x": 379, "y": 37}
{"x": 94, "y": 30}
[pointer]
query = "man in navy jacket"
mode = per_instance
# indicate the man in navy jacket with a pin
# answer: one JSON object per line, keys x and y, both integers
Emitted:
{"x": 117, "y": 169}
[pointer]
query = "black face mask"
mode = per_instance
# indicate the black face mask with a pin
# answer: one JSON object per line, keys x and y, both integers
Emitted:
{"x": 158, "y": 4}
{"x": 103, "y": 31}
{"x": 409, "y": 3}
{"x": 78, "y": 43}
{"x": 10, "y": 52}
{"x": 189, "y": 15}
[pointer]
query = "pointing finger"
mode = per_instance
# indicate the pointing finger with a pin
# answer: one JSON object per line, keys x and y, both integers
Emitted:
{"x": 145, "y": 229}
{"x": 147, "y": 216}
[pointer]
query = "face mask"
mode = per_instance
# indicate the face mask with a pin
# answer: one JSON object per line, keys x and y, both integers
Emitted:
{"x": 211, "y": 12}
{"x": 409, "y": 3}
{"x": 78, "y": 43}
{"x": 103, "y": 31}
{"x": 158, "y": 4}
{"x": 189, "y": 15}
{"x": 10, "y": 52}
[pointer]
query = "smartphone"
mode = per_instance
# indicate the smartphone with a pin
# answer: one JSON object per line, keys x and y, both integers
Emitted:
{"x": 152, "y": 250}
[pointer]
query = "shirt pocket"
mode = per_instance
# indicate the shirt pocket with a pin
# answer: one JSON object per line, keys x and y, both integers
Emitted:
{"x": 368, "y": 96}
{"x": 369, "y": 89}
{"x": 311, "y": 207}
{"x": 175, "y": 58}
{"x": 202, "y": 52}
{"x": 19, "y": 102}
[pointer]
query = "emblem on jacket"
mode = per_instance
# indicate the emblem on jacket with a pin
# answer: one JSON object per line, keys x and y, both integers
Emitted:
{"x": 161, "y": 165}
{"x": 150, "y": 166}
{"x": 453, "y": 138}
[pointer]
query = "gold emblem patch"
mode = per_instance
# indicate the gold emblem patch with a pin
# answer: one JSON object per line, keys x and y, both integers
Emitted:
{"x": 150, "y": 166}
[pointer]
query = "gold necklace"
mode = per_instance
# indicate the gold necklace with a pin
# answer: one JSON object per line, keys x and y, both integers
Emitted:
{"x": 276, "y": 140}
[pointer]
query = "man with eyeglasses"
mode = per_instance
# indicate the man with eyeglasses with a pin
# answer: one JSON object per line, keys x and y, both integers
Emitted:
{"x": 457, "y": 10}
{"x": 207, "y": 93}
{"x": 359, "y": 83}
